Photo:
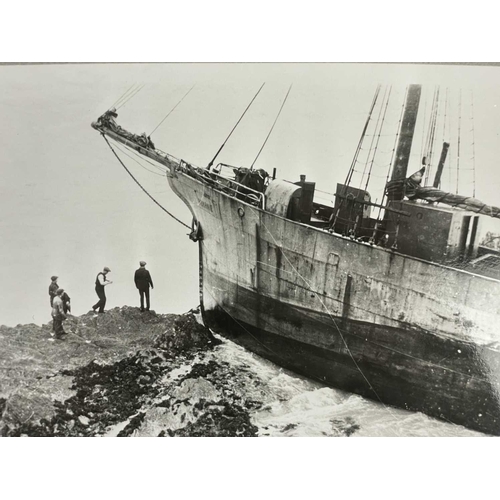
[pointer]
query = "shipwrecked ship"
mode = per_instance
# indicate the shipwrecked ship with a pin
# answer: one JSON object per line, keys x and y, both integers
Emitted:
{"x": 402, "y": 307}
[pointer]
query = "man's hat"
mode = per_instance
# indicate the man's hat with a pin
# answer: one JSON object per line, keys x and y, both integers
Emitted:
{"x": 107, "y": 269}
{"x": 142, "y": 263}
{"x": 59, "y": 291}
{"x": 53, "y": 278}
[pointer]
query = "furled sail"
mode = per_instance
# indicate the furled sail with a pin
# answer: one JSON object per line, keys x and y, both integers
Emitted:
{"x": 411, "y": 188}
{"x": 435, "y": 195}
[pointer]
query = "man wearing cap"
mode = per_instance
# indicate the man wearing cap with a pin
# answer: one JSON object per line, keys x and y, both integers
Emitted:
{"x": 100, "y": 282}
{"x": 53, "y": 288}
{"x": 58, "y": 314}
{"x": 142, "y": 280}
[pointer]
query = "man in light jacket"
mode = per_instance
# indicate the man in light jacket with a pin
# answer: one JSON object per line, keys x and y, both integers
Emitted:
{"x": 100, "y": 282}
{"x": 58, "y": 314}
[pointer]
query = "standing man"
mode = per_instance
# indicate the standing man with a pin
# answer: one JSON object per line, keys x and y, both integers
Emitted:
{"x": 58, "y": 314}
{"x": 53, "y": 288}
{"x": 100, "y": 282}
{"x": 66, "y": 303}
{"x": 142, "y": 280}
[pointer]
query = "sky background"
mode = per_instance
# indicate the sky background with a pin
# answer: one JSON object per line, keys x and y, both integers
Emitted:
{"x": 68, "y": 208}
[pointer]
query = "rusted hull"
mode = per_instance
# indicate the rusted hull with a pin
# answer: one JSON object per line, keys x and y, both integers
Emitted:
{"x": 370, "y": 360}
{"x": 392, "y": 328}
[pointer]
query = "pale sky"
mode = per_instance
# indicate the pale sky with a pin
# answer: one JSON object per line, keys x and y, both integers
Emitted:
{"x": 68, "y": 207}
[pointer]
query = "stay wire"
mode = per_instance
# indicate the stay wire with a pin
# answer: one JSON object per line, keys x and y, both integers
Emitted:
{"x": 138, "y": 163}
{"x": 127, "y": 95}
{"x": 371, "y": 150}
{"x": 473, "y": 146}
{"x": 121, "y": 97}
{"x": 268, "y": 135}
{"x": 378, "y": 138}
{"x": 458, "y": 139}
{"x": 140, "y": 185}
{"x": 130, "y": 97}
{"x": 230, "y": 133}
{"x": 162, "y": 168}
{"x": 169, "y": 113}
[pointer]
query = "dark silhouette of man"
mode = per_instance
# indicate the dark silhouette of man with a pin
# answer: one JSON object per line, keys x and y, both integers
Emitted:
{"x": 143, "y": 280}
{"x": 100, "y": 282}
{"x": 53, "y": 288}
{"x": 66, "y": 302}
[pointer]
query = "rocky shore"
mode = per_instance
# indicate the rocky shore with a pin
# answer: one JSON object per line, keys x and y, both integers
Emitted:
{"x": 122, "y": 373}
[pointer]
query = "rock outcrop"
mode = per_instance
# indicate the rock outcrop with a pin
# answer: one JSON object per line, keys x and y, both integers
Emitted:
{"x": 122, "y": 373}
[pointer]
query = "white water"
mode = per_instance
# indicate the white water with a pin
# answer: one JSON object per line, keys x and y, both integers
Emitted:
{"x": 287, "y": 404}
{"x": 295, "y": 406}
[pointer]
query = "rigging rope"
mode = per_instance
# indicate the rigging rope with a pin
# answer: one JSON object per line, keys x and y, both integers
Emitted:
{"x": 450, "y": 152}
{"x": 276, "y": 119}
{"x": 121, "y": 97}
{"x": 137, "y": 161}
{"x": 169, "y": 113}
{"x": 473, "y": 146}
{"x": 130, "y": 97}
{"x": 334, "y": 217}
{"x": 378, "y": 138}
{"x": 423, "y": 128}
{"x": 433, "y": 133}
{"x": 375, "y": 138}
{"x": 428, "y": 152}
{"x": 227, "y": 138}
{"x": 361, "y": 139}
{"x": 140, "y": 185}
{"x": 124, "y": 97}
{"x": 161, "y": 168}
{"x": 390, "y": 163}
{"x": 458, "y": 146}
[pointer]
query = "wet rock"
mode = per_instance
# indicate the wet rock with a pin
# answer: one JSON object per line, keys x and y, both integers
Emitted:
{"x": 186, "y": 334}
{"x": 222, "y": 420}
{"x": 344, "y": 427}
{"x": 134, "y": 424}
{"x": 83, "y": 420}
{"x": 193, "y": 390}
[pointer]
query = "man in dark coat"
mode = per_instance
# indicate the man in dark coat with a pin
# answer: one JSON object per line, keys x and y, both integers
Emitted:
{"x": 66, "y": 302}
{"x": 53, "y": 288}
{"x": 143, "y": 280}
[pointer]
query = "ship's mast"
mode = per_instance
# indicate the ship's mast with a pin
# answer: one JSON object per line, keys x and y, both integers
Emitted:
{"x": 400, "y": 166}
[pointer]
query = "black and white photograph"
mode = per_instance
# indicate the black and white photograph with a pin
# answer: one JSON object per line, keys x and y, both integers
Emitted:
{"x": 250, "y": 250}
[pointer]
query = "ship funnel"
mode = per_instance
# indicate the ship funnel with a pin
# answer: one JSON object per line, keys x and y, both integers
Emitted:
{"x": 406, "y": 133}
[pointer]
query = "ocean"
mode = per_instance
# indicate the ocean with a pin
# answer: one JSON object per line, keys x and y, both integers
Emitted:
{"x": 296, "y": 406}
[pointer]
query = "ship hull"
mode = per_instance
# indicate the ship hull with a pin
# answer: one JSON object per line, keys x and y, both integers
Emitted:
{"x": 356, "y": 362}
{"x": 363, "y": 319}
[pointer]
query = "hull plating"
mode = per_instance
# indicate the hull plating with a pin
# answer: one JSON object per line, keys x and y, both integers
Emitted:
{"x": 396, "y": 329}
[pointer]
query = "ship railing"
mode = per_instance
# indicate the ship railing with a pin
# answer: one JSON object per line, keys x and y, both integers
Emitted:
{"x": 168, "y": 156}
{"x": 223, "y": 184}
